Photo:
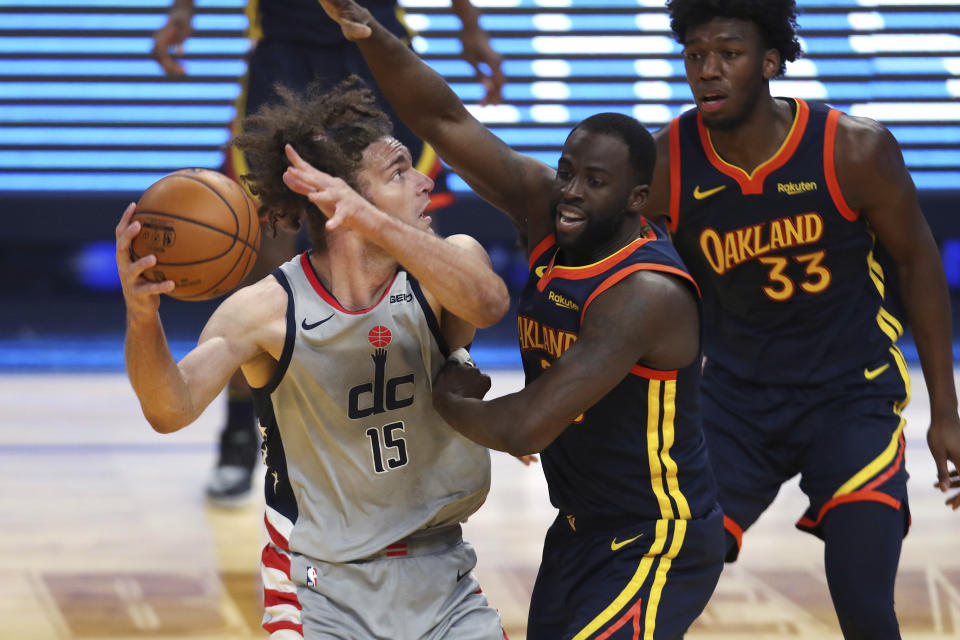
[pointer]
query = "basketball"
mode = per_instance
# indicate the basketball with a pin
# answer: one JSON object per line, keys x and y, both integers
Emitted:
{"x": 204, "y": 230}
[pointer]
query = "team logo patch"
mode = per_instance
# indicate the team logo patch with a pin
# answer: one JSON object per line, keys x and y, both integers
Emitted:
{"x": 311, "y": 576}
{"x": 379, "y": 336}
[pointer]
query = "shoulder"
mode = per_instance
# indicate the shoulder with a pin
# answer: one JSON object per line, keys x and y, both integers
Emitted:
{"x": 860, "y": 139}
{"x": 253, "y": 305}
{"x": 868, "y": 161}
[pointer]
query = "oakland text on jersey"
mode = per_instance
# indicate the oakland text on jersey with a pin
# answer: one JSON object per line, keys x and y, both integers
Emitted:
{"x": 534, "y": 335}
{"x": 380, "y": 395}
{"x": 731, "y": 248}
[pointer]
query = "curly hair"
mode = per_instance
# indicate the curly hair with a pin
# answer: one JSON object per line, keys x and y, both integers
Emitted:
{"x": 329, "y": 128}
{"x": 776, "y": 20}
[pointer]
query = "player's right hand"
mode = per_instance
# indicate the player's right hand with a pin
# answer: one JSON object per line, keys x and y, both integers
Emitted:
{"x": 142, "y": 296}
{"x": 352, "y": 18}
{"x": 172, "y": 36}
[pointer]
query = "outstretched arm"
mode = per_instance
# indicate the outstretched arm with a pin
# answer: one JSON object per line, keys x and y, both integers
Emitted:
{"x": 875, "y": 181}
{"x": 647, "y": 316}
{"x": 173, "y": 395}
{"x": 514, "y": 183}
{"x": 455, "y": 270}
{"x": 173, "y": 34}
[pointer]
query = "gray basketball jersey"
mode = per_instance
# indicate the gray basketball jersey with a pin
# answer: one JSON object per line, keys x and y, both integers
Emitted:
{"x": 357, "y": 456}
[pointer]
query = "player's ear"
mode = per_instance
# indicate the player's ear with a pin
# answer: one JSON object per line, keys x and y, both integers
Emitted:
{"x": 771, "y": 64}
{"x": 638, "y": 198}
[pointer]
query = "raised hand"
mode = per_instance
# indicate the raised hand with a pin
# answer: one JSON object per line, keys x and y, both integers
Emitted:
{"x": 335, "y": 198}
{"x": 486, "y": 62}
{"x": 173, "y": 34}
{"x": 352, "y": 18}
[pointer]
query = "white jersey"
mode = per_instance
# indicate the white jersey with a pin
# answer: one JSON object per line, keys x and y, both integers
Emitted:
{"x": 357, "y": 456}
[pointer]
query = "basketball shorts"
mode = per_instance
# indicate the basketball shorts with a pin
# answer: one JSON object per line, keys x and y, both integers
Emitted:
{"x": 421, "y": 588}
{"x": 626, "y": 578}
{"x": 845, "y": 439}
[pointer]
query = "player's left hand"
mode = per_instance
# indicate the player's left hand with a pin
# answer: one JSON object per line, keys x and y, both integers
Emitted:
{"x": 485, "y": 61}
{"x": 351, "y": 17}
{"x": 460, "y": 379}
{"x": 943, "y": 437}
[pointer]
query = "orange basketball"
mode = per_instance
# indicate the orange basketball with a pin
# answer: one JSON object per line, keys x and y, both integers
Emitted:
{"x": 204, "y": 230}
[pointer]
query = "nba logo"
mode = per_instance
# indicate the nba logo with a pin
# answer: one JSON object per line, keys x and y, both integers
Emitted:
{"x": 311, "y": 576}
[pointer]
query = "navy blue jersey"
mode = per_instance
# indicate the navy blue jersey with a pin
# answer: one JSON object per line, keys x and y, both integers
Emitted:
{"x": 305, "y": 21}
{"x": 794, "y": 288}
{"x": 639, "y": 450}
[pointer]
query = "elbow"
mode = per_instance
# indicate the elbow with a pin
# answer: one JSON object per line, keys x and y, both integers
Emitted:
{"x": 525, "y": 439}
{"x": 165, "y": 423}
{"x": 493, "y": 306}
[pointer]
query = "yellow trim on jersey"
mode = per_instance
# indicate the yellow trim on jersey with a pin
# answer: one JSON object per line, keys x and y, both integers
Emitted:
{"x": 886, "y": 457}
{"x": 876, "y": 273}
{"x": 630, "y": 591}
{"x": 669, "y": 412}
{"x": 426, "y": 160}
{"x": 254, "y": 30}
{"x": 786, "y": 141}
{"x": 660, "y": 579}
{"x": 653, "y": 449}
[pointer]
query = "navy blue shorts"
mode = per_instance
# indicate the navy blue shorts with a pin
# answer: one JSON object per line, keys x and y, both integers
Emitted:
{"x": 627, "y": 578}
{"x": 845, "y": 439}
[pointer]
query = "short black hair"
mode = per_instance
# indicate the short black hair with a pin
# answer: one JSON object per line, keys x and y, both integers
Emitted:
{"x": 776, "y": 20}
{"x": 640, "y": 145}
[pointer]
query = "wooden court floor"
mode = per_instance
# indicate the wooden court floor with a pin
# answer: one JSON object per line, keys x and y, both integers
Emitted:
{"x": 105, "y": 535}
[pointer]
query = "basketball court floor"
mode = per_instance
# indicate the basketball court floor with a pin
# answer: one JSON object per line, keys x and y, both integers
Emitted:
{"x": 105, "y": 534}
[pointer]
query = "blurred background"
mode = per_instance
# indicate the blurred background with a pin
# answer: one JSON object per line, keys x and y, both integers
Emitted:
{"x": 88, "y": 120}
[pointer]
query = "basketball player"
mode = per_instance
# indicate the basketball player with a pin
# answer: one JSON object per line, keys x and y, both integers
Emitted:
{"x": 787, "y": 214}
{"x": 296, "y": 44}
{"x": 609, "y": 335}
{"x": 365, "y": 485}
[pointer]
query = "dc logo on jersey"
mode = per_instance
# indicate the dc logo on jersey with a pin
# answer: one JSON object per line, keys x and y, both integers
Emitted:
{"x": 311, "y": 576}
{"x": 381, "y": 394}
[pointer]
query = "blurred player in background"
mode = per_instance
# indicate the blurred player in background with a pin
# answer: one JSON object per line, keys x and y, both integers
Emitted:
{"x": 802, "y": 227}
{"x": 366, "y": 484}
{"x": 296, "y": 44}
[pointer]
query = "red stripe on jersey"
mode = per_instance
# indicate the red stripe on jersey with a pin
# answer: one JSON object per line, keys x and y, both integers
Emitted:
{"x": 275, "y": 536}
{"x": 270, "y": 627}
{"x": 623, "y": 273}
{"x": 892, "y": 469}
{"x": 272, "y": 598}
{"x": 753, "y": 183}
{"x": 830, "y": 168}
{"x": 653, "y": 374}
{"x": 591, "y": 270}
{"x": 273, "y": 559}
{"x": 538, "y": 250}
{"x": 733, "y": 529}
{"x": 632, "y": 614}
{"x": 326, "y": 295}
{"x": 674, "y": 174}
{"x": 853, "y": 496}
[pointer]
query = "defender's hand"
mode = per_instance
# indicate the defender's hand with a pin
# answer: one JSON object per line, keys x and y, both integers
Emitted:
{"x": 460, "y": 379}
{"x": 172, "y": 35}
{"x": 486, "y": 62}
{"x": 352, "y": 18}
